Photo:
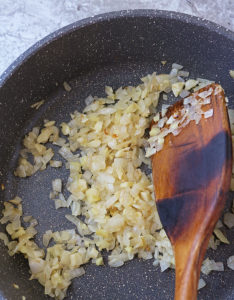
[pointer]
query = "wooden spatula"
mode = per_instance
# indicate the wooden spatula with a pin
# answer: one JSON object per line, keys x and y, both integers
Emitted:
{"x": 191, "y": 176}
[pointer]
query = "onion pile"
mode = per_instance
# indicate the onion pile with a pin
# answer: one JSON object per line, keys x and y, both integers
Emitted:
{"x": 107, "y": 186}
{"x": 192, "y": 110}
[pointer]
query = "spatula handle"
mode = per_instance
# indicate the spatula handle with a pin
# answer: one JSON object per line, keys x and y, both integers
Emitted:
{"x": 188, "y": 265}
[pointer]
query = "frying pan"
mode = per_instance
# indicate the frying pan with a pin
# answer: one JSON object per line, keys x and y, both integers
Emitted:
{"x": 112, "y": 49}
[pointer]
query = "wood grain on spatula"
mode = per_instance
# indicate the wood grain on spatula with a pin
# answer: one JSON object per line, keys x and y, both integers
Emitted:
{"x": 191, "y": 176}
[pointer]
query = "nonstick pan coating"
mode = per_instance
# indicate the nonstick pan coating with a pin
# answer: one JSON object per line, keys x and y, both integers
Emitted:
{"x": 112, "y": 49}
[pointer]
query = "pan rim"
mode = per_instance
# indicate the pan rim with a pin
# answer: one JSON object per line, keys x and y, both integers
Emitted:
{"x": 150, "y": 13}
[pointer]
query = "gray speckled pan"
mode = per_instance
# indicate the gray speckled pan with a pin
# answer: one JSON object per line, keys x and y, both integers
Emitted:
{"x": 112, "y": 49}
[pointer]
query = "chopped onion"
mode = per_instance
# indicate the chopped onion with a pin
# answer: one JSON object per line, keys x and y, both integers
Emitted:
{"x": 173, "y": 73}
{"x": 231, "y": 72}
{"x": 38, "y": 104}
{"x": 229, "y": 220}
{"x": 191, "y": 83}
{"x": 57, "y": 185}
{"x": 184, "y": 93}
{"x": 180, "y": 79}
{"x": 115, "y": 263}
{"x": 230, "y": 262}
{"x": 183, "y": 73}
{"x": 77, "y": 272}
{"x": 4, "y": 238}
{"x": 60, "y": 142}
{"x": 209, "y": 113}
{"x": 81, "y": 226}
{"x": 164, "y": 265}
{"x": 221, "y": 236}
{"x": 218, "y": 266}
{"x": 59, "y": 203}
{"x": 66, "y": 153}
{"x": 201, "y": 283}
{"x": 206, "y": 101}
{"x": 36, "y": 265}
{"x": 27, "y": 219}
{"x": 177, "y": 66}
{"x": 47, "y": 237}
{"x": 210, "y": 265}
{"x": 55, "y": 163}
{"x": 161, "y": 122}
{"x": 213, "y": 243}
{"x": 66, "y": 86}
{"x": 204, "y": 80}
{"x": 205, "y": 94}
{"x": 89, "y": 100}
{"x": 164, "y": 109}
{"x": 107, "y": 111}
{"x": 33, "y": 222}
{"x": 189, "y": 112}
{"x": 177, "y": 88}
{"x": 219, "y": 224}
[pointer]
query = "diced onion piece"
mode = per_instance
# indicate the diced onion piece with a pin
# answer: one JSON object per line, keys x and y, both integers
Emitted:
{"x": 77, "y": 272}
{"x": 209, "y": 113}
{"x": 191, "y": 83}
{"x": 164, "y": 265}
{"x": 49, "y": 123}
{"x": 38, "y": 104}
{"x": 164, "y": 109}
{"x": 180, "y": 79}
{"x": 66, "y": 153}
{"x": 219, "y": 224}
{"x": 36, "y": 265}
{"x": 59, "y": 142}
{"x": 184, "y": 93}
{"x": 66, "y": 86}
{"x": 231, "y": 119}
{"x": 173, "y": 73}
{"x": 230, "y": 262}
{"x": 210, "y": 265}
{"x": 154, "y": 131}
{"x": 232, "y": 184}
{"x": 205, "y": 94}
{"x": 4, "y": 238}
{"x": 229, "y": 220}
{"x": 201, "y": 283}
{"x": 65, "y": 129}
{"x": 81, "y": 226}
{"x": 27, "y": 218}
{"x": 177, "y": 66}
{"x": 177, "y": 88}
{"x": 231, "y": 72}
{"x": 203, "y": 80}
{"x": 57, "y": 185}
{"x": 99, "y": 261}
{"x": 89, "y": 100}
{"x": 221, "y": 236}
{"x": 115, "y": 263}
{"x": 183, "y": 73}
{"x": 55, "y": 163}
{"x": 47, "y": 237}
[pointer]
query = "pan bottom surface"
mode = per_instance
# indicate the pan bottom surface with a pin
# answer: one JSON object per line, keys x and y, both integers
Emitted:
{"x": 137, "y": 279}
